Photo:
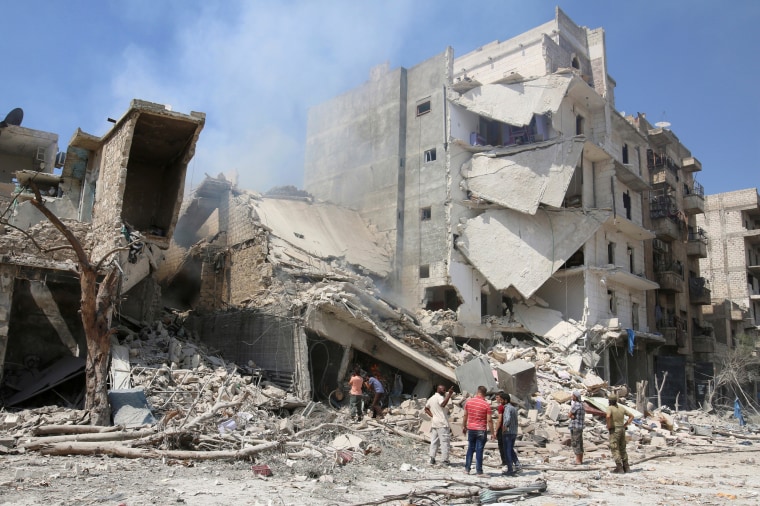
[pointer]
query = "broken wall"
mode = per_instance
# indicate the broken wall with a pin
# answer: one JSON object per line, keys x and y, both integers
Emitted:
{"x": 354, "y": 150}
{"x": 257, "y": 340}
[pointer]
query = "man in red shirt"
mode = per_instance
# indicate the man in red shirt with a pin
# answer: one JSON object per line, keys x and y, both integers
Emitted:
{"x": 475, "y": 422}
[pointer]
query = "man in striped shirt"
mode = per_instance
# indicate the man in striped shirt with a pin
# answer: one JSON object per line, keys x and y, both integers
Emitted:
{"x": 475, "y": 423}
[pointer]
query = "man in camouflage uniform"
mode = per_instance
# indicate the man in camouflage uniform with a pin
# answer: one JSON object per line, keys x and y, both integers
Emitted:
{"x": 616, "y": 424}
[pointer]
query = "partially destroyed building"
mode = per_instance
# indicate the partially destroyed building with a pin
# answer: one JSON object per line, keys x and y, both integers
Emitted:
{"x": 120, "y": 195}
{"x": 511, "y": 190}
{"x": 285, "y": 287}
{"x": 732, "y": 221}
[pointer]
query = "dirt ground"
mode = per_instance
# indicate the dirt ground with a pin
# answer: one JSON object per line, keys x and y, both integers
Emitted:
{"x": 728, "y": 476}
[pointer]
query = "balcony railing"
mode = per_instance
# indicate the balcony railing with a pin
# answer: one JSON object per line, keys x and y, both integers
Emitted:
{"x": 699, "y": 291}
{"x": 697, "y": 244}
{"x": 670, "y": 276}
{"x": 661, "y": 160}
{"x": 694, "y": 199}
{"x": 673, "y": 330}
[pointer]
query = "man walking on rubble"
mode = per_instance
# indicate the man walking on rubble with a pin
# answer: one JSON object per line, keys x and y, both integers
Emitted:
{"x": 475, "y": 422}
{"x": 378, "y": 393}
{"x": 577, "y": 420}
{"x": 616, "y": 424}
{"x": 355, "y": 401}
{"x": 440, "y": 431}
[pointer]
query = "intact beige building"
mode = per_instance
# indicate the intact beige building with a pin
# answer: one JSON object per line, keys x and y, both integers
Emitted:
{"x": 732, "y": 221}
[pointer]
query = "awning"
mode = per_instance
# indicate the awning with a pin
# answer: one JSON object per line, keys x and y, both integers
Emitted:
{"x": 522, "y": 180}
{"x": 514, "y": 249}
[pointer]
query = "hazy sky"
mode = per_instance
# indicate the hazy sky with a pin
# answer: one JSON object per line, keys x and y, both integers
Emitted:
{"x": 255, "y": 67}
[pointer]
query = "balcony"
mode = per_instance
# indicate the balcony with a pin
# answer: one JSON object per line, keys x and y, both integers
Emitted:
{"x": 699, "y": 293}
{"x": 703, "y": 344}
{"x": 663, "y": 177}
{"x": 691, "y": 164}
{"x": 669, "y": 276}
{"x": 673, "y": 329}
{"x": 694, "y": 199}
{"x": 631, "y": 179}
{"x": 696, "y": 248}
{"x": 661, "y": 137}
{"x": 670, "y": 281}
{"x": 666, "y": 228}
{"x": 697, "y": 244}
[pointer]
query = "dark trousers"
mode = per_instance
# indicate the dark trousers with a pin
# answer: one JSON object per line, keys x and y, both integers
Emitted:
{"x": 509, "y": 451}
{"x": 502, "y": 454}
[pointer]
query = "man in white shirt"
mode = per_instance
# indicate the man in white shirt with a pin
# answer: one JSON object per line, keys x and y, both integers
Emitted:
{"x": 440, "y": 431}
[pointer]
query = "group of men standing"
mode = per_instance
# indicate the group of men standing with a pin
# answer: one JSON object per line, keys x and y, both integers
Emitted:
{"x": 477, "y": 422}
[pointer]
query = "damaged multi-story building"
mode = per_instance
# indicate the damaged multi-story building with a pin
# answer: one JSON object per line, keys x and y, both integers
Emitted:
{"x": 674, "y": 204}
{"x": 120, "y": 195}
{"x": 514, "y": 194}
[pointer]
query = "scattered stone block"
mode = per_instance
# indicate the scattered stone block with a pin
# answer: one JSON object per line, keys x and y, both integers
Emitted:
{"x": 561, "y": 396}
{"x": 552, "y": 411}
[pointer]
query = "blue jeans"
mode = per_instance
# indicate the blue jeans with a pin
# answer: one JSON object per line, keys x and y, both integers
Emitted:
{"x": 476, "y": 441}
{"x": 509, "y": 451}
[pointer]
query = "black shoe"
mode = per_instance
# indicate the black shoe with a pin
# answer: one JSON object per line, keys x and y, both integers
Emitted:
{"x": 510, "y": 473}
{"x": 446, "y": 463}
{"x": 432, "y": 461}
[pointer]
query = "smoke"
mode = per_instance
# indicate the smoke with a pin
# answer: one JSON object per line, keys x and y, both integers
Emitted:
{"x": 255, "y": 68}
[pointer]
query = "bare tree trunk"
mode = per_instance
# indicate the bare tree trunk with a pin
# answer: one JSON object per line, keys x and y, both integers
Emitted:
{"x": 97, "y": 308}
{"x": 641, "y": 396}
{"x": 659, "y": 387}
{"x": 96, "y": 318}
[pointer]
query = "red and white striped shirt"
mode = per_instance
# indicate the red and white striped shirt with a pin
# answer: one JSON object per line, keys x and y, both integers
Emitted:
{"x": 478, "y": 412}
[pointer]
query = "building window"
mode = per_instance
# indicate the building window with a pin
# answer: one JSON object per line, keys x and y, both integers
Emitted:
{"x": 613, "y": 301}
{"x": 625, "y": 154}
{"x": 630, "y": 259}
{"x": 424, "y": 271}
{"x": 426, "y": 213}
{"x": 423, "y": 108}
{"x": 580, "y": 124}
{"x": 611, "y": 253}
{"x": 430, "y": 155}
{"x": 627, "y": 204}
{"x": 576, "y": 63}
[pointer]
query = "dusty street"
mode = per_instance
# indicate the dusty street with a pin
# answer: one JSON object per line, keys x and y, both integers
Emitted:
{"x": 728, "y": 476}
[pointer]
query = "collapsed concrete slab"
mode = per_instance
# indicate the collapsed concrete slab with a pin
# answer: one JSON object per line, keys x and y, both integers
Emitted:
{"x": 475, "y": 373}
{"x": 518, "y": 378}
{"x": 324, "y": 230}
{"x": 536, "y": 246}
{"x": 531, "y": 175}
{"x": 549, "y": 324}
{"x": 517, "y": 103}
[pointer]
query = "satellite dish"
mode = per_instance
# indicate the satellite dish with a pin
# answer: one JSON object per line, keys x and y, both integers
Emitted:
{"x": 15, "y": 117}
{"x": 662, "y": 124}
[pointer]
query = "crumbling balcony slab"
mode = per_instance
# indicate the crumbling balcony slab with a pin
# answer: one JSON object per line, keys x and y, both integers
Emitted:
{"x": 540, "y": 244}
{"x": 531, "y": 175}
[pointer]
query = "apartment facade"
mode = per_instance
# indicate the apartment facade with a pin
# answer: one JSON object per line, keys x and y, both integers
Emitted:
{"x": 511, "y": 190}
{"x": 732, "y": 221}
